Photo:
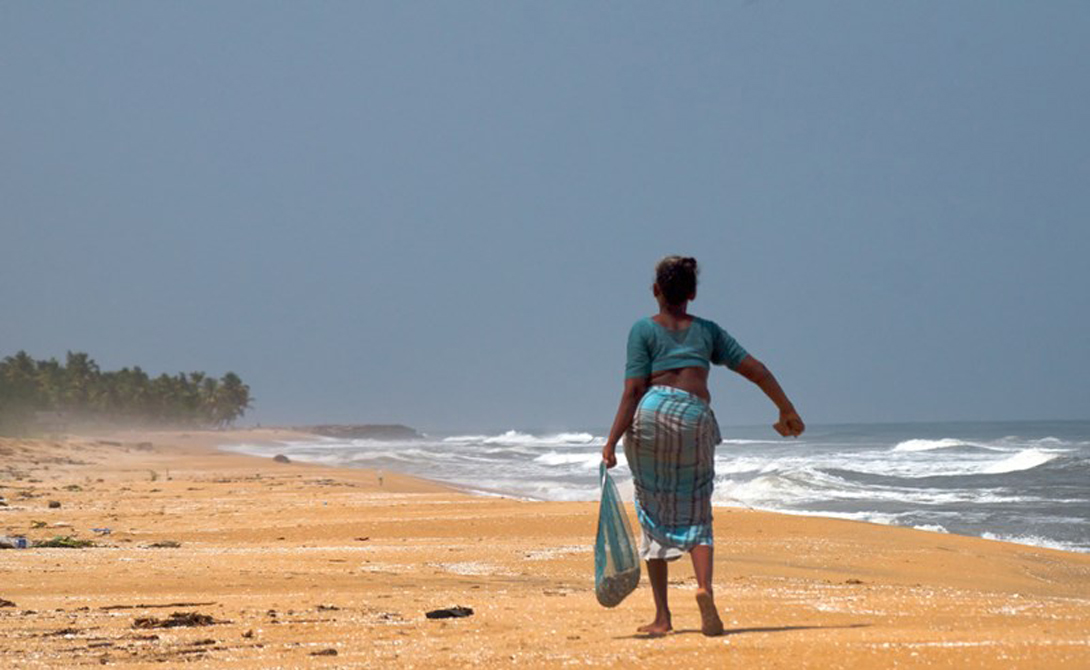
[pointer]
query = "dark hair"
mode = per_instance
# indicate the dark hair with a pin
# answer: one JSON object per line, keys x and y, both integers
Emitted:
{"x": 676, "y": 278}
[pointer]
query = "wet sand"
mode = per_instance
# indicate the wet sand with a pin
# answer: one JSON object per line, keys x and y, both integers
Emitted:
{"x": 295, "y": 563}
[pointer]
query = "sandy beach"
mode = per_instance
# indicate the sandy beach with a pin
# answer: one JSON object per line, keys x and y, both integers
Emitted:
{"x": 290, "y": 565}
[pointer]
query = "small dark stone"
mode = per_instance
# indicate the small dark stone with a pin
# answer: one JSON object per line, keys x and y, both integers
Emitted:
{"x": 248, "y": 634}
{"x": 324, "y": 652}
{"x": 6, "y": 603}
{"x": 450, "y": 613}
{"x": 54, "y": 504}
{"x": 281, "y": 458}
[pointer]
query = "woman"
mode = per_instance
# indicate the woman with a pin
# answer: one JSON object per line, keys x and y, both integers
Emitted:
{"x": 670, "y": 433}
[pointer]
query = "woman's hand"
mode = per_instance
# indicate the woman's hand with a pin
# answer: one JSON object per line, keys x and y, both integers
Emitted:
{"x": 609, "y": 455}
{"x": 790, "y": 424}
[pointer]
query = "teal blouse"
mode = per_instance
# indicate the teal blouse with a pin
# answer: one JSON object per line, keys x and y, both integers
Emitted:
{"x": 652, "y": 347}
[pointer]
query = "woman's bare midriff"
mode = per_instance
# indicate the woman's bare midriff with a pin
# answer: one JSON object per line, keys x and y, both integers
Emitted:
{"x": 692, "y": 379}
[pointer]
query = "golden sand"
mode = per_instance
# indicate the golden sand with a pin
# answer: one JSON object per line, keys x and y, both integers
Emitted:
{"x": 302, "y": 566}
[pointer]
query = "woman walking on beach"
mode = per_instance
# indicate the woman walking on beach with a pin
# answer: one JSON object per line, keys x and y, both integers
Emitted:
{"x": 670, "y": 433}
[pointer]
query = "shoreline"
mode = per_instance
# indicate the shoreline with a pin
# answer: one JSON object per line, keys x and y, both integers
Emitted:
{"x": 296, "y": 559}
{"x": 993, "y": 534}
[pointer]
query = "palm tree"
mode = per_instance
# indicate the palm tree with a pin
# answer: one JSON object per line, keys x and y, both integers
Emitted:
{"x": 81, "y": 377}
{"x": 50, "y": 376}
{"x": 232, "y": 400}
{"x": 209, "y": 393}
{"x": 80, "y": 387}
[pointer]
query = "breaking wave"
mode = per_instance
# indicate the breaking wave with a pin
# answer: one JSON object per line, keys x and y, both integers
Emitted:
{"x": 1017, "y": 488}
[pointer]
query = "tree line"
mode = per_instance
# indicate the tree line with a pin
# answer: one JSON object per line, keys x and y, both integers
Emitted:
{"x": 84, "y": 394}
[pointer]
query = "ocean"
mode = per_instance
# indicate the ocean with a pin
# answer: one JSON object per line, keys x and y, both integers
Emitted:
{"x": 1025, "y": 482}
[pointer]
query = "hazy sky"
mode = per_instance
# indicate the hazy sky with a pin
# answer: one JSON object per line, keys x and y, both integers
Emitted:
{"x": 447, "y": 214}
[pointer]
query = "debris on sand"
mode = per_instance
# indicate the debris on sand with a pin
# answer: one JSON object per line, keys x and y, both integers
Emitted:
{"x": 281, "y": 458}
{"x": 176, "y": 620}
{"x": 54, "y": 504}
{"x": 64, "y": 542}
{"x": 144, "y": 606}
{"x": 324, "y": 652}
{"x": 7, "y": 603}
{"x": 164, "y": 544}
{"x": 450, "y": 613}
{"x": 13, "y": 542}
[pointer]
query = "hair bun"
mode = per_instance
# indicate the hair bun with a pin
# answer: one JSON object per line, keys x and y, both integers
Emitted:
{"x": 676, "y": 278}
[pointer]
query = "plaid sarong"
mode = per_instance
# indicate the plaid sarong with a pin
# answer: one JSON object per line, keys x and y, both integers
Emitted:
{"x": 671, "y": 451}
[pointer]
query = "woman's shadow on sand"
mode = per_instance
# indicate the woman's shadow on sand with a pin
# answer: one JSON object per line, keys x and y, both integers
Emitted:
{"x": 736, "y": 631}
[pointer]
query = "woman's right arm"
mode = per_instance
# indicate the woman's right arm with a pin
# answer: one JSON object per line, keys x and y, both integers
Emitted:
{"x": 790, "y": 423}
{"x": 634, "y": 388}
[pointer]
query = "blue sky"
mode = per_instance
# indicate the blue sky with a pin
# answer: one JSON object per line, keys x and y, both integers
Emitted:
{"x": 447, "y": 214}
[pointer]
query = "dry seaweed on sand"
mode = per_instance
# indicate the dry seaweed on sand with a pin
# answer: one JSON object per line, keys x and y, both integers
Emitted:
{"x": 142, "y": 606}
{"x": 64, "y": 542}
{"x": 176, "y": 620}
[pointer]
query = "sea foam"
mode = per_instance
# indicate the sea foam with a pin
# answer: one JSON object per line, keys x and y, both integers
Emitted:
{"x": 931, "y": 445}
{"x": 1026, "y": 459}
{"x": 965, "y": 480}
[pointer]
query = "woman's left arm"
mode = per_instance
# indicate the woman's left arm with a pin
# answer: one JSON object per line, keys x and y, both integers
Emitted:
{"x": 790, "y": 423}
{"x": 634, "y": 388}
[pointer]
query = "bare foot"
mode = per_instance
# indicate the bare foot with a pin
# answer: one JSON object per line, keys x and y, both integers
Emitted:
{"x": 660, "y": 626}
{"x": 710, "y": 623}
